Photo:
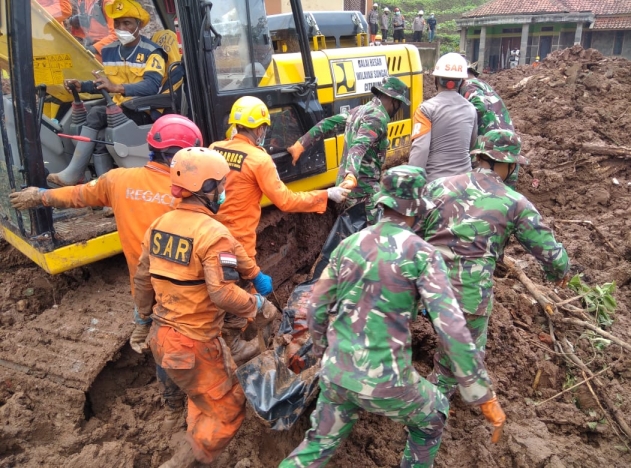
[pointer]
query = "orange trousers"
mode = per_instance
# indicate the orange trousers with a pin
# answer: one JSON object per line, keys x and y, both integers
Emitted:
{"x": 216, "y": 403}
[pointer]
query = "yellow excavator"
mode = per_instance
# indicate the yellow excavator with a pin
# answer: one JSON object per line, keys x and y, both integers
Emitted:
{"x": 228, "y": 52}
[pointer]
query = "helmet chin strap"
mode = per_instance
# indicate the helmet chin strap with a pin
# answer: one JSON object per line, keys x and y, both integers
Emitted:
{"x": 213, "y": 206}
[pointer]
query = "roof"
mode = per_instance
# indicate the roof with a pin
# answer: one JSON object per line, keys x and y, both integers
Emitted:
{"x": 613, "y": 22}
{"x": 530, "y": 7}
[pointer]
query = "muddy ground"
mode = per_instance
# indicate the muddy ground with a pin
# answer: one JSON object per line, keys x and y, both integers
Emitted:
{"x": 574, "y": 97}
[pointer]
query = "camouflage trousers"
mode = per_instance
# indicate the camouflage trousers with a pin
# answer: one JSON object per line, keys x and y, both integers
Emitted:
{"x": 442, "y": 375}
{"x": 421, "y": 408}
{"x": 365, "y": 193}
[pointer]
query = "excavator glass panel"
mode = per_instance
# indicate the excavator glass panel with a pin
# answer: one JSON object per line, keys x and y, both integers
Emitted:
{"x": 244, "y": 57}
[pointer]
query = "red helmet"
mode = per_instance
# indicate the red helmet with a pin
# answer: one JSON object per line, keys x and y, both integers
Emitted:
{"x": 396, "y": 9}
{"x": 174, "y": 130}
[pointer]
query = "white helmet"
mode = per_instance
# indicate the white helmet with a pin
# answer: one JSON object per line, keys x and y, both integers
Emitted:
{"x": 375, "y": 5}
{"x": 421, "y": 12}
{"x": 451, "y": 65}
{"x": 386, "y": 9}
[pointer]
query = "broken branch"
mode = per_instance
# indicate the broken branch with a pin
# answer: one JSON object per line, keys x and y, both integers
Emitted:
{"x": 607, "y": 150}
{"x": 546, "y": 303}
{"x": 600, "y": 331}
{"x": 570, "y": 388}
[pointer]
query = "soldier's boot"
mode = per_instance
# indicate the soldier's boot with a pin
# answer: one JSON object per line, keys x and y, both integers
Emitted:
{"x": 75, "y": 171}
{"x": 242, "y": 351}
{"x": 183, "y": 458}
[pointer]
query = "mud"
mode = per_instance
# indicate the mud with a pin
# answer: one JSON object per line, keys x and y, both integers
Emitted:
{"x": 574, "y": 97}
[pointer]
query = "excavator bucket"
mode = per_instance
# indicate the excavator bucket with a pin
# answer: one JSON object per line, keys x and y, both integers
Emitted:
{"x": 280, "y": 383}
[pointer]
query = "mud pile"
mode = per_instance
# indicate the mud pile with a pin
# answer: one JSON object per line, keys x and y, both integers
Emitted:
{"x": 575, "y": 98}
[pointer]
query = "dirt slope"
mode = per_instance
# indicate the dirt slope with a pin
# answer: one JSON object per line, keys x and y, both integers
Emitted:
{"x": 575, "y": 97}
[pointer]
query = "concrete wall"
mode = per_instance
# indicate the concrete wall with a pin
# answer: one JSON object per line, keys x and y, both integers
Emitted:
{"x": 603, "y": 41}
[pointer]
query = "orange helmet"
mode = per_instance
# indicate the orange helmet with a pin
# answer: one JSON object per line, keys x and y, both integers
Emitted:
{"x": 191, "y": 168}
{"x": 174, "y": 130}
{"x": 249, "y": 112}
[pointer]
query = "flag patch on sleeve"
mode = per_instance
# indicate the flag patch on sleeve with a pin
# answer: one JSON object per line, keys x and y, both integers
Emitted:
{"x": 228, "y": 259}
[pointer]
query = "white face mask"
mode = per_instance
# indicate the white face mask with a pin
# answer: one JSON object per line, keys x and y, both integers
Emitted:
{"x": 125, "y": 37}
{"x": 260, "y": 140}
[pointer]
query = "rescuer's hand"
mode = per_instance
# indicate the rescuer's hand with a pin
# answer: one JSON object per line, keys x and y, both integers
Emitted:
{"x": 103, "y": 82}
{"x": 349, "y": 182}
{"x": 295, "y": 150}
{"x": 262, "y": 284}
{"x": 337, "y": 194}
{"x": 139, "y": 337}
{"x": 92, "y": 49}
{"x": 494, "y": 414}
{"x": 266, "y": 313}
{"x": 30, "y": 197}
{"x": 76, "y": 83}
{"x": 79, "y": 21}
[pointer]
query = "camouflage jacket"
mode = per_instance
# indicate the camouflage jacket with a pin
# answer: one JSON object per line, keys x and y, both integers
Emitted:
{"x": 492, "y": 113}
{"x": 362, "y": 306}
{"x": 473, "y": 219}
{"x": 365, "y": 143}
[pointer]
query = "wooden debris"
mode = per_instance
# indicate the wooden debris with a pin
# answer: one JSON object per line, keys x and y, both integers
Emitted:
{"x": 600, "y": 331}
{"x": 570, "y": 388}
{"x": 608, "y": 150}
{"x": 545, "y": 303}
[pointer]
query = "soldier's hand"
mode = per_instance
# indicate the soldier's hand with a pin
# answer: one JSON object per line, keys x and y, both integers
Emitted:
{"x": 30, "y": 197}
{"x": 295, "y": 150}
{"x": 349, "y": 182}
{"x": 337, "y": 194}
{"x": 76, "y": 83}
{"x": 494, "y": 414}
{"x": 138, "y": 340}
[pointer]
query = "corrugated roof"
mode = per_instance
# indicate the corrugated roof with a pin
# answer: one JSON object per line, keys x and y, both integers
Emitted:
{"x": 526, "y": 7}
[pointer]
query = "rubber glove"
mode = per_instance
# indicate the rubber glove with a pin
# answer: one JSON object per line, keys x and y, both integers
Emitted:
{"x": 349, "y": 182}
{"x": 260, "y": 301}
{"x": 262, "y": 284}
{"x": 562, "y": 283}
{"x": 30, "y": 197}
{"x": 139, "y": 337}
{"x": 337, "y": 194}
{"x": 494, "y": 414}
{"x": 295, "y": 150}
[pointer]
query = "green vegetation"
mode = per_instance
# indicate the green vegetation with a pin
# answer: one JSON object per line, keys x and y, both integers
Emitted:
{"x": 446, "y": 12}
{"x": 598, "y": 300}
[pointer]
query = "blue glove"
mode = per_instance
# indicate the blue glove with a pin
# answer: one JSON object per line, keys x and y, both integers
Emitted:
{"x": 138, "y": 320}
{"x": 262, "y": 284}
{"x": 260, "y": 300}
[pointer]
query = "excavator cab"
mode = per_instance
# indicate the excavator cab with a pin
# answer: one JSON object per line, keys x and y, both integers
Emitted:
{"x": 218, "y": 52}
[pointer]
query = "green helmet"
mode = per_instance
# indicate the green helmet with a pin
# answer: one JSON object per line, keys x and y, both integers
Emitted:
{"x": 401, "y": 189}
{"x": 501, "y": 146}
{"x": 393, "y": 87}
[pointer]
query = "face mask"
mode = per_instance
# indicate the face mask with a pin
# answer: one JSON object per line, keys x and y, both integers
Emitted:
{"x": 125, "y": 37}
{"x": 222, "y": 198}
{"x": 398, "y": 13}
{"x": 261, "y": 140}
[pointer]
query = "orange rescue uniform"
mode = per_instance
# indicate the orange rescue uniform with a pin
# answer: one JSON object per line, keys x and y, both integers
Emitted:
{"x": 189, "y": 266}
{"x": 100, "y": 31}
{"x": 58, "y": 9}
{"x": 137, "y": 196}
{"x": 252, "y": 175}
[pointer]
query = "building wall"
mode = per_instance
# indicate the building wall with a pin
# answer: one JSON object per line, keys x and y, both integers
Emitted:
{"x": 626, "y": 45}
{"x": 274, "y": 7}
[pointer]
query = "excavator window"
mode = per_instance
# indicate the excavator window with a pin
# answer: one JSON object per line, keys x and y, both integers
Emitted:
{"x": 245, "y": 54}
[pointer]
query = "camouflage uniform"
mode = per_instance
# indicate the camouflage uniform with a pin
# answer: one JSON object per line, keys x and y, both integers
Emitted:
{"x": 491, "y": 110}
{"x": 473, "y": 219}
{"x": 365, "y": 143}
{"x": 376, "y": 282}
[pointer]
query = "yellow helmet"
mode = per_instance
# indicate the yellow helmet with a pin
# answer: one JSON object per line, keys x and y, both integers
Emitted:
{"x": 192, "y": 167}
{"x": 249, "y": 112}
{"x": 127, "y": 9}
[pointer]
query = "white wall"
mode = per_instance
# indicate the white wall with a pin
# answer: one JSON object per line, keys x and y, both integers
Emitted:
{"x": 316, "y": 5}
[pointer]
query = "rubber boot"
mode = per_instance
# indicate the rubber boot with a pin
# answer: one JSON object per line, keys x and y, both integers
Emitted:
{"x": 80, "y": 159}
{"x": 172, "y": 419}
{"x": 103, "y": 162}
{"x": 242, "y": 351}
{"x": 183, "y": 458}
